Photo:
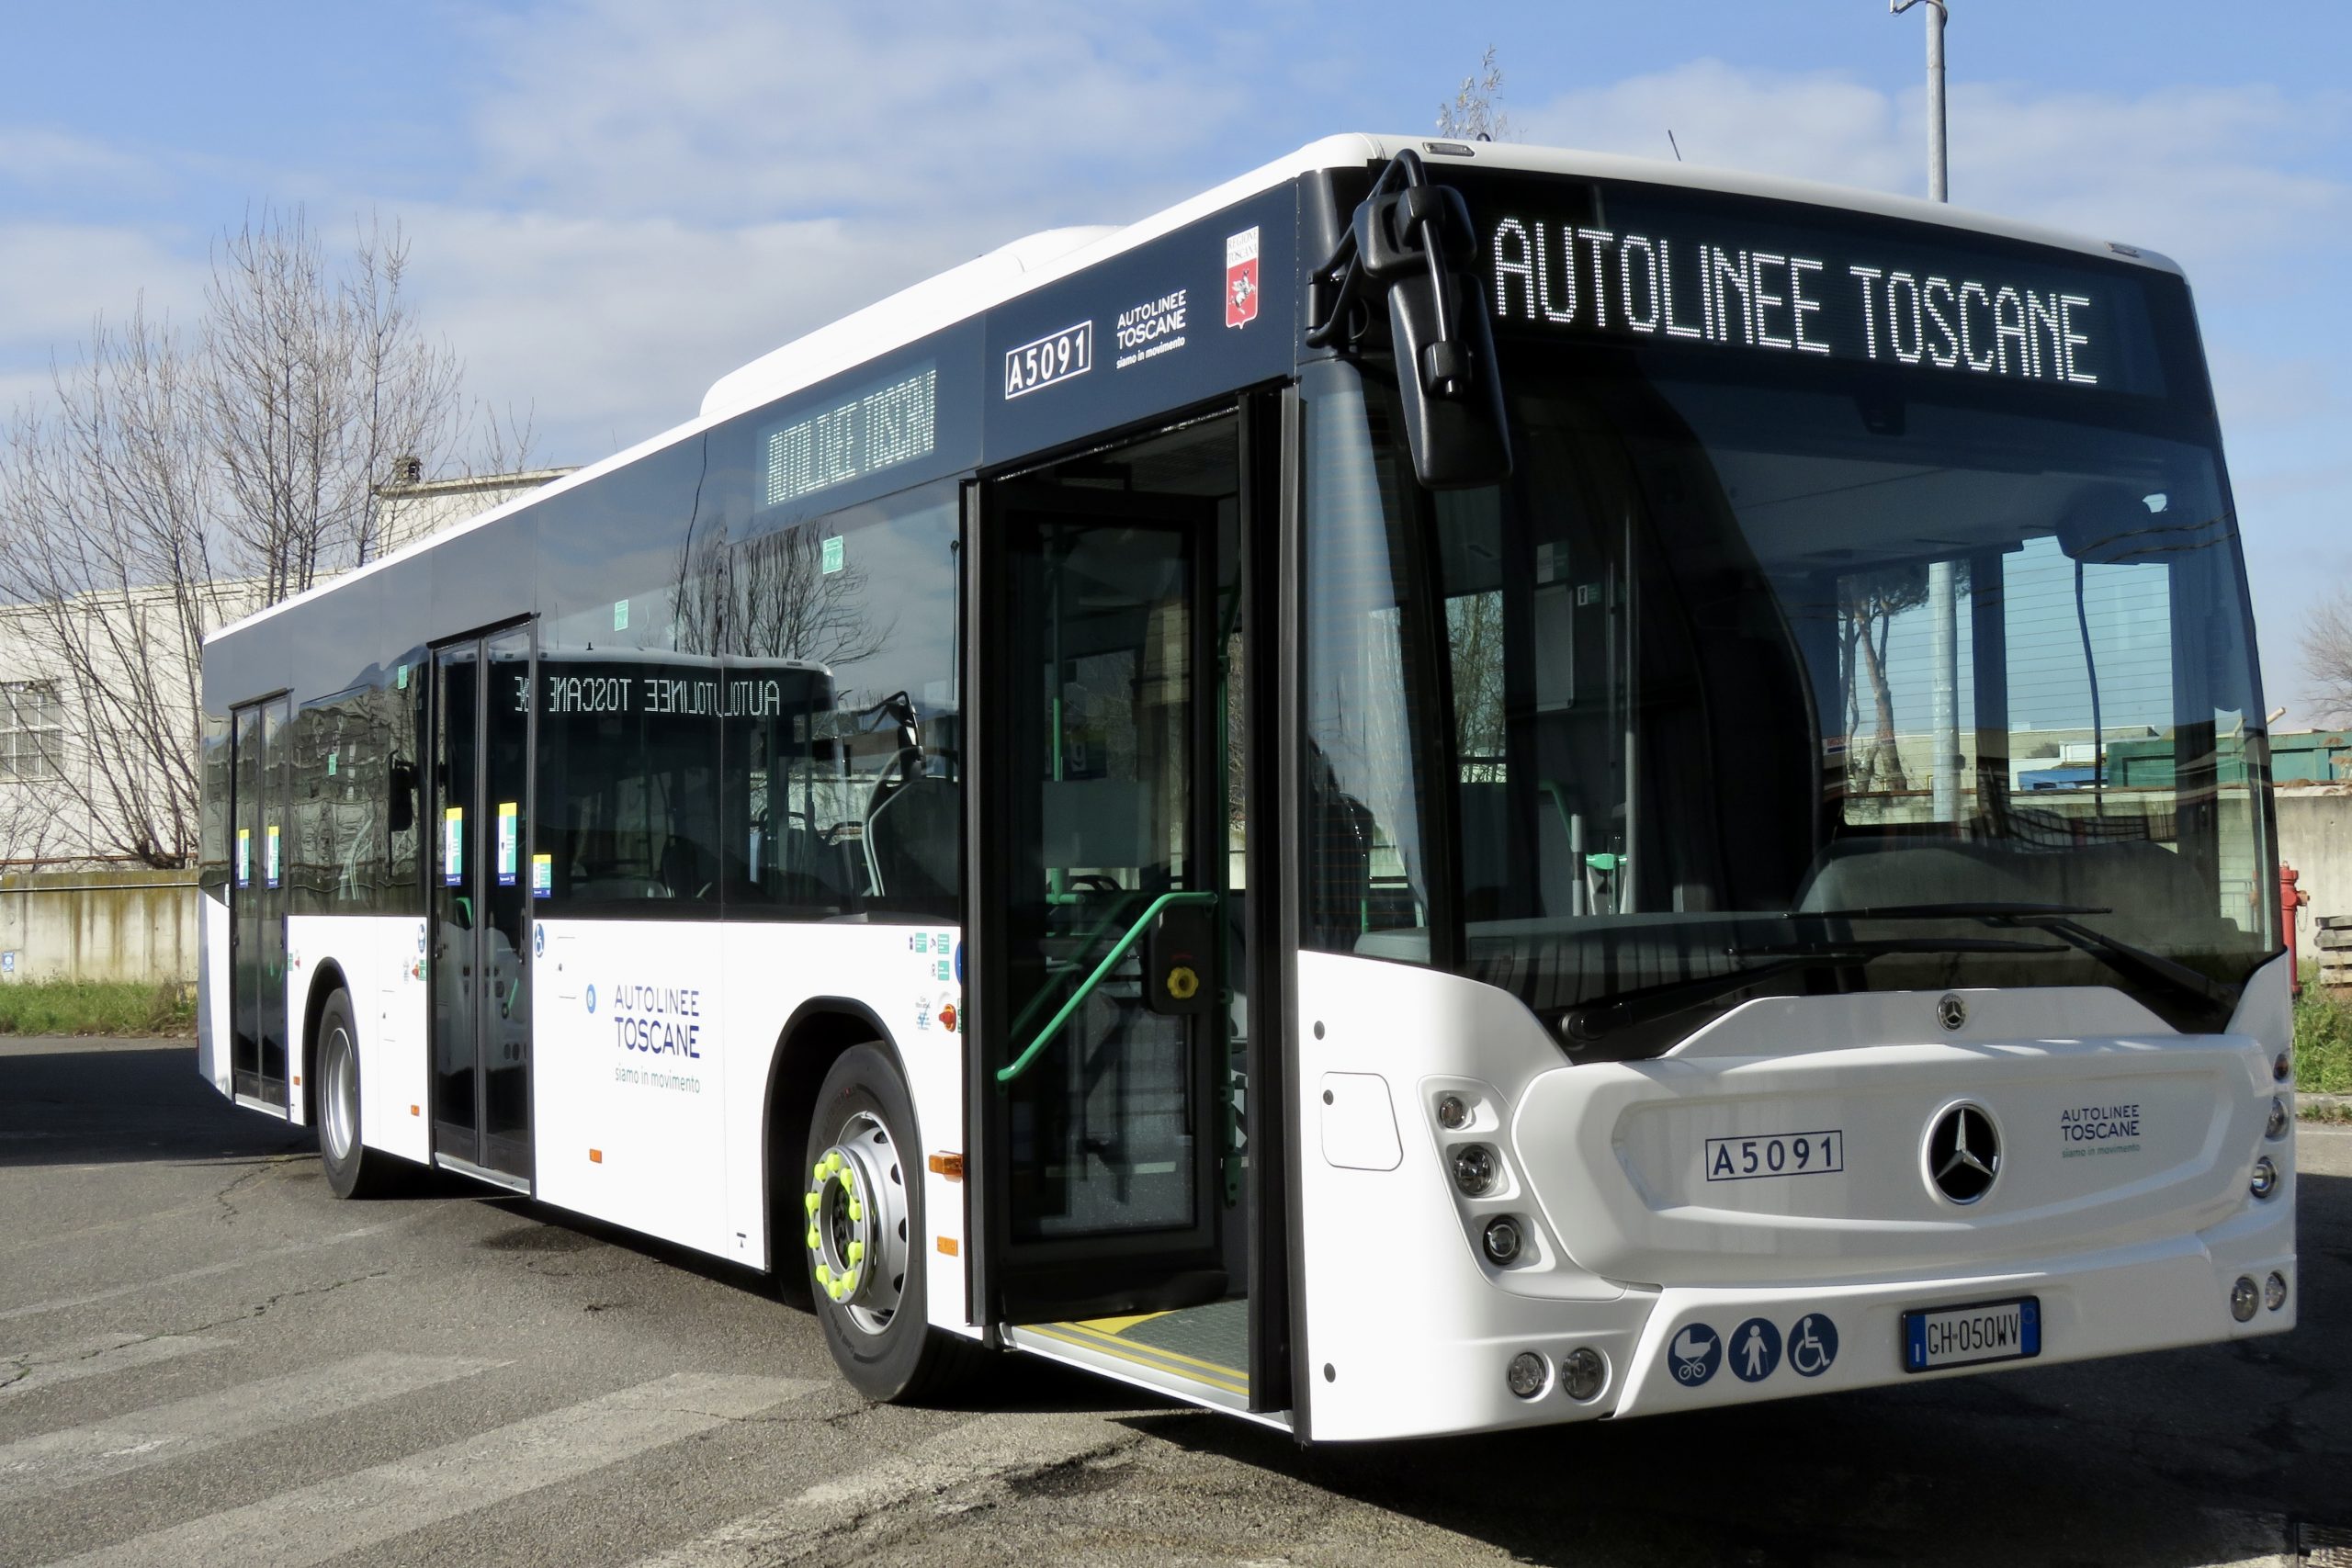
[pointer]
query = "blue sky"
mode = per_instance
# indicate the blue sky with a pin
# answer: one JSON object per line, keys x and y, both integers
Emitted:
{"x": 612, "y": 204}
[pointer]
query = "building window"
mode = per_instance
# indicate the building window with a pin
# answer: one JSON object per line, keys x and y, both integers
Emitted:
{"x": 32, "y": 728}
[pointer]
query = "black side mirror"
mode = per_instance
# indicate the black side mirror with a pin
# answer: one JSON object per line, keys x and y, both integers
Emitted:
{"x": 1413, "y": 242}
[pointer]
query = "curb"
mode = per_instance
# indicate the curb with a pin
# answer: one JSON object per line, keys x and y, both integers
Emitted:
{"x": 2324, "y": 1107}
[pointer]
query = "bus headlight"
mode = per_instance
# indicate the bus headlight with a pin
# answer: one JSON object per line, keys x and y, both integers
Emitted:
{"x": 1583, "y": 1372}
{"x": 2276, "y": 1128}
{"x": 2282, "y": 1066}
{"x": 1527, "y": 1374}
{"x": 2244, "y": 1299}
{"x": 2274, "y": 1290}
{"x": 2266, "y": 1178}
{"x": 1474, "y": 1169}
{"x": 1452, "y": 1114}
{"x": 1502, "y": 1239}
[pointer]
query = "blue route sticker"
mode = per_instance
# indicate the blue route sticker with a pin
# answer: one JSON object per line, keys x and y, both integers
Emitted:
{"x": 592, "y": 998}
{"x": 1756, "y": 1349}
{"x": 1812, "y": 1345}
{"x": 1696, "y": 1353}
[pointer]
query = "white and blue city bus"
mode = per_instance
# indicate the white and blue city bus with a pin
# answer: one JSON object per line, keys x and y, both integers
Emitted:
{"x": 1447, "y": 787}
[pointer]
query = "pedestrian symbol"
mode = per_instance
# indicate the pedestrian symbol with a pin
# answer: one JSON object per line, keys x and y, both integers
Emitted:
{"x": 1755, "y": 1350}
{"x": 1697, "y": 1350}
{"x": 1812, "y": 1345}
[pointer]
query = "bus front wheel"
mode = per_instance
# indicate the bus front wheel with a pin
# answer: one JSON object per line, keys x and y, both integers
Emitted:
{"x": 860, "y": 1201}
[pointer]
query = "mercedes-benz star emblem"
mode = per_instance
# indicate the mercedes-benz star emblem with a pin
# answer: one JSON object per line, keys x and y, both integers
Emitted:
{"x": 1951, "y": 1011}
{"x": 1963, "y": 1153}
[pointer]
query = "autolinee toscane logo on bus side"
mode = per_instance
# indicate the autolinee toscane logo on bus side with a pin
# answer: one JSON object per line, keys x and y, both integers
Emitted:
{"x": 1850, "y": 307}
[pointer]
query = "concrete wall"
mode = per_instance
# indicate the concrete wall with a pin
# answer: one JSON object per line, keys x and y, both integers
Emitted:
{"x": 2315, "y": 838}
{"x": 99, "y": 924}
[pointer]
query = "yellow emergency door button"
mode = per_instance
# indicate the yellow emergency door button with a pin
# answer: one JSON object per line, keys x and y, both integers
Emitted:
{"x": 1183, "y": 983}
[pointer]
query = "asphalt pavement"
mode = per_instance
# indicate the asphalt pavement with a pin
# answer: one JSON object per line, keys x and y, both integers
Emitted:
{"x": 206, "y": 1360}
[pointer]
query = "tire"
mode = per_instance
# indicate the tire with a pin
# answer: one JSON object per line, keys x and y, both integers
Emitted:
{"x": 354, "y": 1170}
{"x": 859, "y": 1204}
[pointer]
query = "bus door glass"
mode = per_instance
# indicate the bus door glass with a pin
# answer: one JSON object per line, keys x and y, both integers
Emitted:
{"x": 257, "y": 901}
{"x": 480, "y": 902}
{"x": 1105, "y": 911}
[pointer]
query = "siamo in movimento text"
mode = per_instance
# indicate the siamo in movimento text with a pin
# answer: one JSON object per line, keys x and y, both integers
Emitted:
{"x": 1566, "y": 276}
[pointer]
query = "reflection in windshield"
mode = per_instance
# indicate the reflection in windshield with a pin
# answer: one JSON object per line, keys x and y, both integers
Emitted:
{"x": 1729, "y": 660}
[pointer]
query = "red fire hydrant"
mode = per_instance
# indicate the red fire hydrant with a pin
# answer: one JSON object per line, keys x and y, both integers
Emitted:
{"x": 2292, "y": 899}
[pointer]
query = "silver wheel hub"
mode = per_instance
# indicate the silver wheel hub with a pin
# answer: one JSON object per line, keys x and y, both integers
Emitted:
{"x": 339, "y": 1094}
{"x": 856, "y": 1213}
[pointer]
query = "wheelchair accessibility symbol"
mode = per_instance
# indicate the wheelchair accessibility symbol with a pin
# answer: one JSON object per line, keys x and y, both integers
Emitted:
{"x": 1697, "y": 1351}
{"x": 1812, "y": 1345}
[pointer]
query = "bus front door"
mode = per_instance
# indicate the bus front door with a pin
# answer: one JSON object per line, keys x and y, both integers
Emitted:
{"x": 480, "y": 899}
{"x": 1107, "y": 913}
{"x": 257, "y": 903}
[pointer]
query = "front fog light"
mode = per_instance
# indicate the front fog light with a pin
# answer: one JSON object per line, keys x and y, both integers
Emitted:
{"x": 1452, "y": 1114}
{"x": 1527, "y": 1374}
{"x": 2244, "y": 1299}
{"x": 2276, "y": 1128}
{"x": 2266, "y": 1178}
{"x": 1502, "y": 1239}
{"x": 1474, "y": 1168}
{"x": 1583, "y": 1370}
{"x": 2274, "y": 1292}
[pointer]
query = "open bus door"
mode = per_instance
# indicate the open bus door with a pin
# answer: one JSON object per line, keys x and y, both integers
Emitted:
{"x": 1121, "y": 1027}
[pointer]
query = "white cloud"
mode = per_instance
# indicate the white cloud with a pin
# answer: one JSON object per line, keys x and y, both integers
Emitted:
{"x": 61, "y": 275}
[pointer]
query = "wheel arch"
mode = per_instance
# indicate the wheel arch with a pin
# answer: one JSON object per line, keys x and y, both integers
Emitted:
{"x": 326, "y": 979}
{"x": 812, "y": 1040}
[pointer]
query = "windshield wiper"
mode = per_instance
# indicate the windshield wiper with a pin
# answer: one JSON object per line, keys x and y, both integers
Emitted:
{"x": 1590, "y": 1021}
{"x": 2133, "y": 963}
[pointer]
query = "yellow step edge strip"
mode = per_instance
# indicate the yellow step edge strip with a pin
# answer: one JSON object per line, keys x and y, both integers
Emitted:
{"x": 1232, "y": 1380}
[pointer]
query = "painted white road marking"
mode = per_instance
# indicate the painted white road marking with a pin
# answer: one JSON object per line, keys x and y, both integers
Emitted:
{"x": 982, "y": 1449}
{"x": 78, "y": 1454}
{"x": 349, "y": 1513}
{"x": 88, "y": 1358}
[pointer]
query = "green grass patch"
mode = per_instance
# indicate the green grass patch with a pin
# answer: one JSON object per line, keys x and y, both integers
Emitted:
{"x": 2323, "y": 1041}
{"x": 96, "y": 1007}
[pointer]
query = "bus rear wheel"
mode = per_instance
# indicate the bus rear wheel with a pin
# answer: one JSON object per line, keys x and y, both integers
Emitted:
{"x": 354, "y": 1170}
{"x": 861, "y": 1211}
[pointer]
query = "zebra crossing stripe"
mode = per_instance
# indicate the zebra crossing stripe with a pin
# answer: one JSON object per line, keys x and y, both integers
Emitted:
{"x": 349, "y": 1513}
{"x": 987, "y": 1448}
{"x": 88, "y": 1358}
{"x": 162, "y": 1432}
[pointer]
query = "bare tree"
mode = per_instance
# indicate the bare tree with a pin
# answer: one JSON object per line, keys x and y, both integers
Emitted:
{"x": 2327, "y": 658}
{"x": 1476, "y": 110}
{"x": 770, "y": 597}
{"x": 176, "y": 479}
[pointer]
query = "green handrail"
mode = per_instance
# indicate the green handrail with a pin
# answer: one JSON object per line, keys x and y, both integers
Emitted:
{"x": 1020, "y": 1064}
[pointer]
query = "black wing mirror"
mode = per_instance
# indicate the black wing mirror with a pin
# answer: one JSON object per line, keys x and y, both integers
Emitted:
{"x": 1412, "y": 241}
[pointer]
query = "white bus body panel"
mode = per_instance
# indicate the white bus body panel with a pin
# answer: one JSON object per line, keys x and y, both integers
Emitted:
{"x": 381, "y": 960}
{"x": 2127, "y": 1248}
{"x": 213, "y": 1036}
{"x": 630, "y": 1129}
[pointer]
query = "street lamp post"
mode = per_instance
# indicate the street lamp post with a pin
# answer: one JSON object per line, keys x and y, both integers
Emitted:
{"x": 1943, "y": 579}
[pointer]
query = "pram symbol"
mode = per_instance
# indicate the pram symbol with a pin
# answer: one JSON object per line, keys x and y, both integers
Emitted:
{"x": 1697, "y": 1350}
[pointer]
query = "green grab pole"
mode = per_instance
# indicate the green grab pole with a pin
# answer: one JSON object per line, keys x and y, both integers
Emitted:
{"x": 1020, "y": 1064}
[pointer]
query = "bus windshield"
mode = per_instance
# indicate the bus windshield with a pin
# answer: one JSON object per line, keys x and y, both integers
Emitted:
{"x": 1752, "y": 682}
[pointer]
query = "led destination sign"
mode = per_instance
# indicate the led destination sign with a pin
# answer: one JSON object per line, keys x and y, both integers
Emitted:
{"x": 1873, "y": 293}
{"x": 872, "y": 428}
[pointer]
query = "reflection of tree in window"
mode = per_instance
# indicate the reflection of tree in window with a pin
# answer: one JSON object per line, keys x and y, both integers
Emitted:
{"x": 772, "y": 598}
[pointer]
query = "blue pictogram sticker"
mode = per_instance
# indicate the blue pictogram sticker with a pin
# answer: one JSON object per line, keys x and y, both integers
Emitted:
{"x": 1755, "y": 1350}
{"x": 1696, "y": 1353}
{"x": 1812, "y": 1345}
{"x": 959, "y": 963}
{"x": 539, "y": 940}
{"x": 592, "y": 998}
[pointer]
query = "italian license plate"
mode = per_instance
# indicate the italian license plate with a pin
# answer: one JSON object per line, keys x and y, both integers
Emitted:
{"x": 1967, "y": 1336}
